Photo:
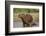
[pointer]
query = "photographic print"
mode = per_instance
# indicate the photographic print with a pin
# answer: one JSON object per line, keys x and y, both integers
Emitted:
{"x": 24, "y": 18}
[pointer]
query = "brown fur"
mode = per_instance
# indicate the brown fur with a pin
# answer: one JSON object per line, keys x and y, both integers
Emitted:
{"x": 26, "y": 19}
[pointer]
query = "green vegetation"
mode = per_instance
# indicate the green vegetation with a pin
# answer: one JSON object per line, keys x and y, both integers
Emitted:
{"x": 25, "y": 10}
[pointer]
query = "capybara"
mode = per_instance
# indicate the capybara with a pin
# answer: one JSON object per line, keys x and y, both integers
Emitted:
{"x": 26, "y": 19}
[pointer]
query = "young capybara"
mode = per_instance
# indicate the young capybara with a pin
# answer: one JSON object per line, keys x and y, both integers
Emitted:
{"x": 26, "y": 19}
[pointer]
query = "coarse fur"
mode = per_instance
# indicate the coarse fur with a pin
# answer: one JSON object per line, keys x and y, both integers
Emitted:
{"x": 26, "y": 19}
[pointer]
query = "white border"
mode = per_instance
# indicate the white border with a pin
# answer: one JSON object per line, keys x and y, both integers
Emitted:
{"x": 27, "y": 28}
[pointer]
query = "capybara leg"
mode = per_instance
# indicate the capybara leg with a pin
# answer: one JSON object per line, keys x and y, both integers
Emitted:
{"x": 28, "y": 25}
{"x": 23, "y": 24}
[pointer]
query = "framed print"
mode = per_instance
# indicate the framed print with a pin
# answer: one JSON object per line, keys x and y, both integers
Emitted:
{"x": 24, "y": 17}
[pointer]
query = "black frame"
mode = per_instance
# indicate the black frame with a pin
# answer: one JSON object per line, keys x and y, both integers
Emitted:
{"x": 7, "y": 13}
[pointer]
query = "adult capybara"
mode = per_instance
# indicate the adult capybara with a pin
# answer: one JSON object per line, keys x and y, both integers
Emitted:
{"x": 26, "y": 19}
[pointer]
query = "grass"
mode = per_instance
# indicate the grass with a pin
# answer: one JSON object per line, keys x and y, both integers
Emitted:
{"x": 25, "y": 10}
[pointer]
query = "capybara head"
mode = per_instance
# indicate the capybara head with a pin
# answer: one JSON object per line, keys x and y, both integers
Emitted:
{"x": 21, "y": 15}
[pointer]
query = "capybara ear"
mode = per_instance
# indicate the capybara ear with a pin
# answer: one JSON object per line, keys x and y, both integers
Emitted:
{"x": 27, "y": 14}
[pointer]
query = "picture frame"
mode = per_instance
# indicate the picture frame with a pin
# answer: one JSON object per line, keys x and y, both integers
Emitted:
{"x": 9, "y": 15}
